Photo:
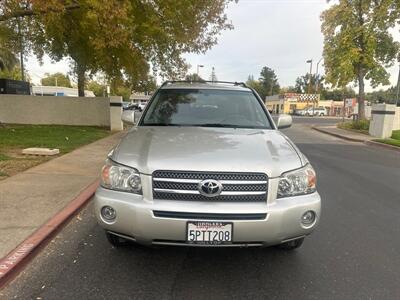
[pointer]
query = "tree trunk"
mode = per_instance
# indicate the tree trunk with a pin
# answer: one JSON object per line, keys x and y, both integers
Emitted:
{"x": 81, "y": 70}
{"x": 361, "y": 95}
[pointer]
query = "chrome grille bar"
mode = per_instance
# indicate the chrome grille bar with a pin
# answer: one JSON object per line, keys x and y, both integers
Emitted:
{"x": 184, "y": 186}
{"x": 238, "y": 193}
{"x": 176, "y": 180}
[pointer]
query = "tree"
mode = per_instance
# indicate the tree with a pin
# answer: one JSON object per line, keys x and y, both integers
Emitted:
{"x": 338, "y": 94}
{"x": 256, "y": 85}
{"x": 56, "y": 79}
{"x": 8, "y": 58}
{"x": 269, "y": 82}
{"x": 383, "y": 96}
{"x": 357, "y": 43}
{"x": 14, "y": 73}
{"x": 120, "y": 38}
{"x": 303, "y": 85}
{"x": 98, "y": 89}
{"x": 193, "y": 77}
{"x": 288, "y": 89}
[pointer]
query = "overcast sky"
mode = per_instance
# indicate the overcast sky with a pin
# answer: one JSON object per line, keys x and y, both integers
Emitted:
{"x": 280, "y": 34}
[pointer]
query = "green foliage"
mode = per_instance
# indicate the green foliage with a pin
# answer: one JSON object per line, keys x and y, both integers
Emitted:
{"x": 14, "y": 73}
{"x": 256, "y": 85}
{"x": 120, "y": 38}
{"x": 266, "y": 85}
{"x": 8, "y": 57}
{"x": 303, "y": 85}
{"x": 56, "y": 79}
{"x": 383, "y": 96}
{"x": 269, "y": 82}
{"x": 97, "y": 88}
{"x": 360, "y": 125}
{"x": 357, "y": 43}
{"x": 338, "y": 94}
{"x": 145, "y": 85}
{"x": 193, "y": 77}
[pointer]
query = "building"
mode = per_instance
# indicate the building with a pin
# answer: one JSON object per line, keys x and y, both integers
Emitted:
{"x": 39, "y": 90}
{"x": 140, "y": 99}
{"x": 288, "y": 103}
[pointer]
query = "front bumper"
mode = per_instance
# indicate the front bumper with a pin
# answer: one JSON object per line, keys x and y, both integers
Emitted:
{"x": 135, "y": 218}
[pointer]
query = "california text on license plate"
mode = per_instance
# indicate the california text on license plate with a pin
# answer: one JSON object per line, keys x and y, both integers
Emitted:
{"x": 209, "y": 232}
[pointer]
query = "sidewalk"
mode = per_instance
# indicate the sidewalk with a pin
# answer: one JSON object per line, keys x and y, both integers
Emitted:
{"x": 29, "y": 199}
{"x": 344, "y": 134}
{"x": 353, "y": 136}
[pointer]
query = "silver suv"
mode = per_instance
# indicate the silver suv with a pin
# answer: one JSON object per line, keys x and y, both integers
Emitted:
{"x": 207, "y": 166}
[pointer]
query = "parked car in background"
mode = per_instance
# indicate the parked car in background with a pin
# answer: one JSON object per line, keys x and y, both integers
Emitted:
{"x": 317, "y": 111}
{"x": 207, "y": 166}
{"x": 132, "y": 106}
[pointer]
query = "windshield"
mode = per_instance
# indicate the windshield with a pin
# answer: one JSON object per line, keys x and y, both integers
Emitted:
{"x": 206, "y": 108}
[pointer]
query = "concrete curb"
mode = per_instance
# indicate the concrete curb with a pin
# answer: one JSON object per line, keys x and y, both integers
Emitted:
{"x": 338, "y": 135}
{"x": 382, "y": 145}
{"x": 14, "y": 261}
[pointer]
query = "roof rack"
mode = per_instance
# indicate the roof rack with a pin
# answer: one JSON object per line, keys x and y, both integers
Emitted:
{"x": 204, "y": 81}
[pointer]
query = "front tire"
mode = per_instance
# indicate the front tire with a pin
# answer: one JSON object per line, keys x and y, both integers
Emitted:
{"x": 291, "y": 245}
{"x": 115, "y": 240}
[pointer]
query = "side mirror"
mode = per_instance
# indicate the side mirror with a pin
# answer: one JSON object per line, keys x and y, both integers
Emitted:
{"x": 284, "y": 121}
{"x": 128, "y": 117}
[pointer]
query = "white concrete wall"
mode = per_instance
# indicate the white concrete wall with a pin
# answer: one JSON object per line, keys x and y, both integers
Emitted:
{"x": 382, "y": 120}
{"x": 19, "y": 109}
{"x": 396, "y": 121}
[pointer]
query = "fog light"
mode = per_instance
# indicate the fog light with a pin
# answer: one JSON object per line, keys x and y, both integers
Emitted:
{"x": 308, "y": 217}
{"x": 108, "y": 213}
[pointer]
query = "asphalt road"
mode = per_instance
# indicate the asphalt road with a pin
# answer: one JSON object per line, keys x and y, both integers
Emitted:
{"x": 354, "y": 254}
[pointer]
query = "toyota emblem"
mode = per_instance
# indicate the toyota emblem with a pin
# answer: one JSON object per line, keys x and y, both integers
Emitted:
{"x": 210, "y": 188}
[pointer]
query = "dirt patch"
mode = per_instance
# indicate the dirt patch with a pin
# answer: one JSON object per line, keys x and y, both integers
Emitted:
{"x": 14, "y": 162}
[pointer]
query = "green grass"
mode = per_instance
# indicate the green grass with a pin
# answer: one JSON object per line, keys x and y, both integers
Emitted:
{"x": 4, "y": 157}
{"x": 14, "y": 138}
{"x": 65, "y": 138}
{"x": 361, "y": 126}
{"x": 394, "y": 140}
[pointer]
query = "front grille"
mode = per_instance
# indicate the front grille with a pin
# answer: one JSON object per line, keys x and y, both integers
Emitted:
{"x": 236, "y": 187}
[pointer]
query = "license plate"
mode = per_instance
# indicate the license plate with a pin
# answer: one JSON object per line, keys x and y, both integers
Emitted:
{"x": 209, "y": 232}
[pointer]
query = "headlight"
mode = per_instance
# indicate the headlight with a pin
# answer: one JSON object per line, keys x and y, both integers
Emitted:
{"x": 120, "y": 178}
{"x": 297, "y": 182}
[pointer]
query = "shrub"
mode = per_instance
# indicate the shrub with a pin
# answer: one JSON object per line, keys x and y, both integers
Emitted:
{"x": 362, "y": 125}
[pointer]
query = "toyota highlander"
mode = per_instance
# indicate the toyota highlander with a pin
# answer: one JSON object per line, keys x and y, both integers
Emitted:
{"x": 205, "y": 165}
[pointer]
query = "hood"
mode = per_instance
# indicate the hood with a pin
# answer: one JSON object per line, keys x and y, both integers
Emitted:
{"x": 207, "y": 149}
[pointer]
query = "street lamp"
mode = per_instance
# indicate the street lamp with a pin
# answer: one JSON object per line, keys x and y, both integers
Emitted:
{"x": 198, "y": 67}
{"x": 316, "y": 82}
{"x": 317, "y": 77}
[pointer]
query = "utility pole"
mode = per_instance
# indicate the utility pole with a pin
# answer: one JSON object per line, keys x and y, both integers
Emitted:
{"x": 198, "y": 67}
{"x": 309, "y": 82}
{"x": 213, "y": 77}
{"x": 21, "y": 44}
{"x": 316, "y": 83}
{"x": 317, "y": 78}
